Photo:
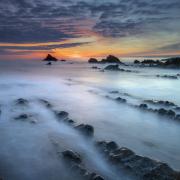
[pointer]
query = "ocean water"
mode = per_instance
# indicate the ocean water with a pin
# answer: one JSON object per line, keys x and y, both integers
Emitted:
{"x": 28, "y": 151}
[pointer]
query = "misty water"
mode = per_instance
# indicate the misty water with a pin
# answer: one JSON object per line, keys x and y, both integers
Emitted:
{"x": 30, "y": 151}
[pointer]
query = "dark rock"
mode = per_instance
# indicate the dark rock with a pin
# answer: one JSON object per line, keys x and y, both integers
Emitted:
{"x": 119, "y": 99}
{"x": 93, "y": 60}
{"x": 177, "y": 117}
{"x": 162, "y": 111}
{"x": 136, "y": 62}
{"x": 112, "y": 67}
{"x": 143, "y": 106}
{"x": 112, "y": 59}
{"x": 114, "y": 92}
{"x": 171, "y": 113}
{"x": 77, "y": 168}
{"x": 95, "y": 67}
{"x": 111, "y": 146}
{"x": 94, "y": 176}
{"x": 50, "y": 58}
{"x": 71, "y": 156}
{"x": 49, "y": 63}
{"x": 22, "y": 117}
{"x": 172, "y": 62}
{"x": 46, "y": 103}
{"x": 62, "y": 114}
{"x": 22, "y": 101}
{"x": 167, "y": 76}
{"x": 63, "y": 60}
{"x": 85, "y": 129}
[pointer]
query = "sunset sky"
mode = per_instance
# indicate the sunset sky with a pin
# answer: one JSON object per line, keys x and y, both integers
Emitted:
{"x": 73, "y": 29}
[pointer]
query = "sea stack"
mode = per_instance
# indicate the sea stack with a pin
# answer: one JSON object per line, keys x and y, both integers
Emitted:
{"x": 50, "y": 58}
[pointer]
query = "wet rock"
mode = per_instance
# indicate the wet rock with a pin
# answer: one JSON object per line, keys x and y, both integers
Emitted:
{"x": 49, "y": 63}
{"x": 167, "y": 76}
{"x": 112, "y": 67}
{"x": 119, "y": 99}
{"x": 164, "y": 103}
{"x": 46, "y": 103}
{"x": 143, "y": 106}
{"x": 111, "y": 146}
{"x": 22, "y": 101}
{"x": 62, "y": 114}
{"x": 85, "y": 129}
{"x": 112, "y": 59}
{"x": 22, "y": 117}
{"x": 114, "y": 92}
{"x": 171, "y": 113}
{"x": 136, "y": 62}
{"x": 95, "y": 67}
{"x": 177, "y": 117}
{"x": 162, "y": 111}
{"x": 77, "y": 168}
{"x": 94, "y": 176}
{"x": 161, "y": 172}
{"x": 71, "y": 156}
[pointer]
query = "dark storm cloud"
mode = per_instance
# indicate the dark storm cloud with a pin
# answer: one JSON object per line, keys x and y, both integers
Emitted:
{"x": 55, "y": 20}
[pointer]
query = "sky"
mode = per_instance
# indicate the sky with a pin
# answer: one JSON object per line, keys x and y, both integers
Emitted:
{"x": 80, "y": 29}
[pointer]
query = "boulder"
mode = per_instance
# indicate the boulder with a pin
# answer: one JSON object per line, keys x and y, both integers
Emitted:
{"x": 49, "y": 63}
{"x": 22, "y": 117}
{"x": 85, "y": 129}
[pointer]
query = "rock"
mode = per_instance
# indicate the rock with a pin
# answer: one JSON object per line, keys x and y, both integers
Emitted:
{"x": 22, "y": 101}
{"x": 173, "y": 62}
{"x": 63, "y": 60}
{"x": 177, "y": 117}
{"x": 161, "y": 172}
{"x": 49, "y": 63}
{"x": 85, "y": 129}
{"x": 46, "y": 103}
{"x": 162, "y": 111}
{"x": 95, "y": 67}
{"x": 62, "y": 114}
{"x": 77, "y": 168}
{"x": 22, "y": 117}
{"x": 114, "y": 92}
{"x": 112, "y": 67}
{"x": 143, "y": 106}
{"x": 112, "y": 59}
{"x": 93, "y": 60}
{"x": 136, "y": 62}
{"x": 167, "y": 76}
{"x": 119, "y": 99}
{"x": 111, "y": 146}
{"x": 50, "y": 58}
{"x": 171, "y": 113}
{"x": 71, "y": 156}
{"x": 94, "y": 176}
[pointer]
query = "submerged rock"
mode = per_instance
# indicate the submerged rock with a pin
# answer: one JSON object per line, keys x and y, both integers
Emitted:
{"x": 112, "y": 67}
{"x": 119, "y": 99}
{"x": 71, "y": 156}
{"x": 22, "y": 117}
{"x": 62, "y": 114}
{"x": 85, "y": 129}
{"x": 49, "y": 63}
{"x": 21, "y": 101}
{"x": 143, "y": 106}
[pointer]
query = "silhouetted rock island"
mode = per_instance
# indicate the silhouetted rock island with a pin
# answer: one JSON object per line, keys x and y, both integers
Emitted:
{"x": 50, "y": 58}
{"x": 109, "y": 59}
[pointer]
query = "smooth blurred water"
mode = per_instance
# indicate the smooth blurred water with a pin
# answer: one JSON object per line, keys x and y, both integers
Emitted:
{"x": 81, "y": 90}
